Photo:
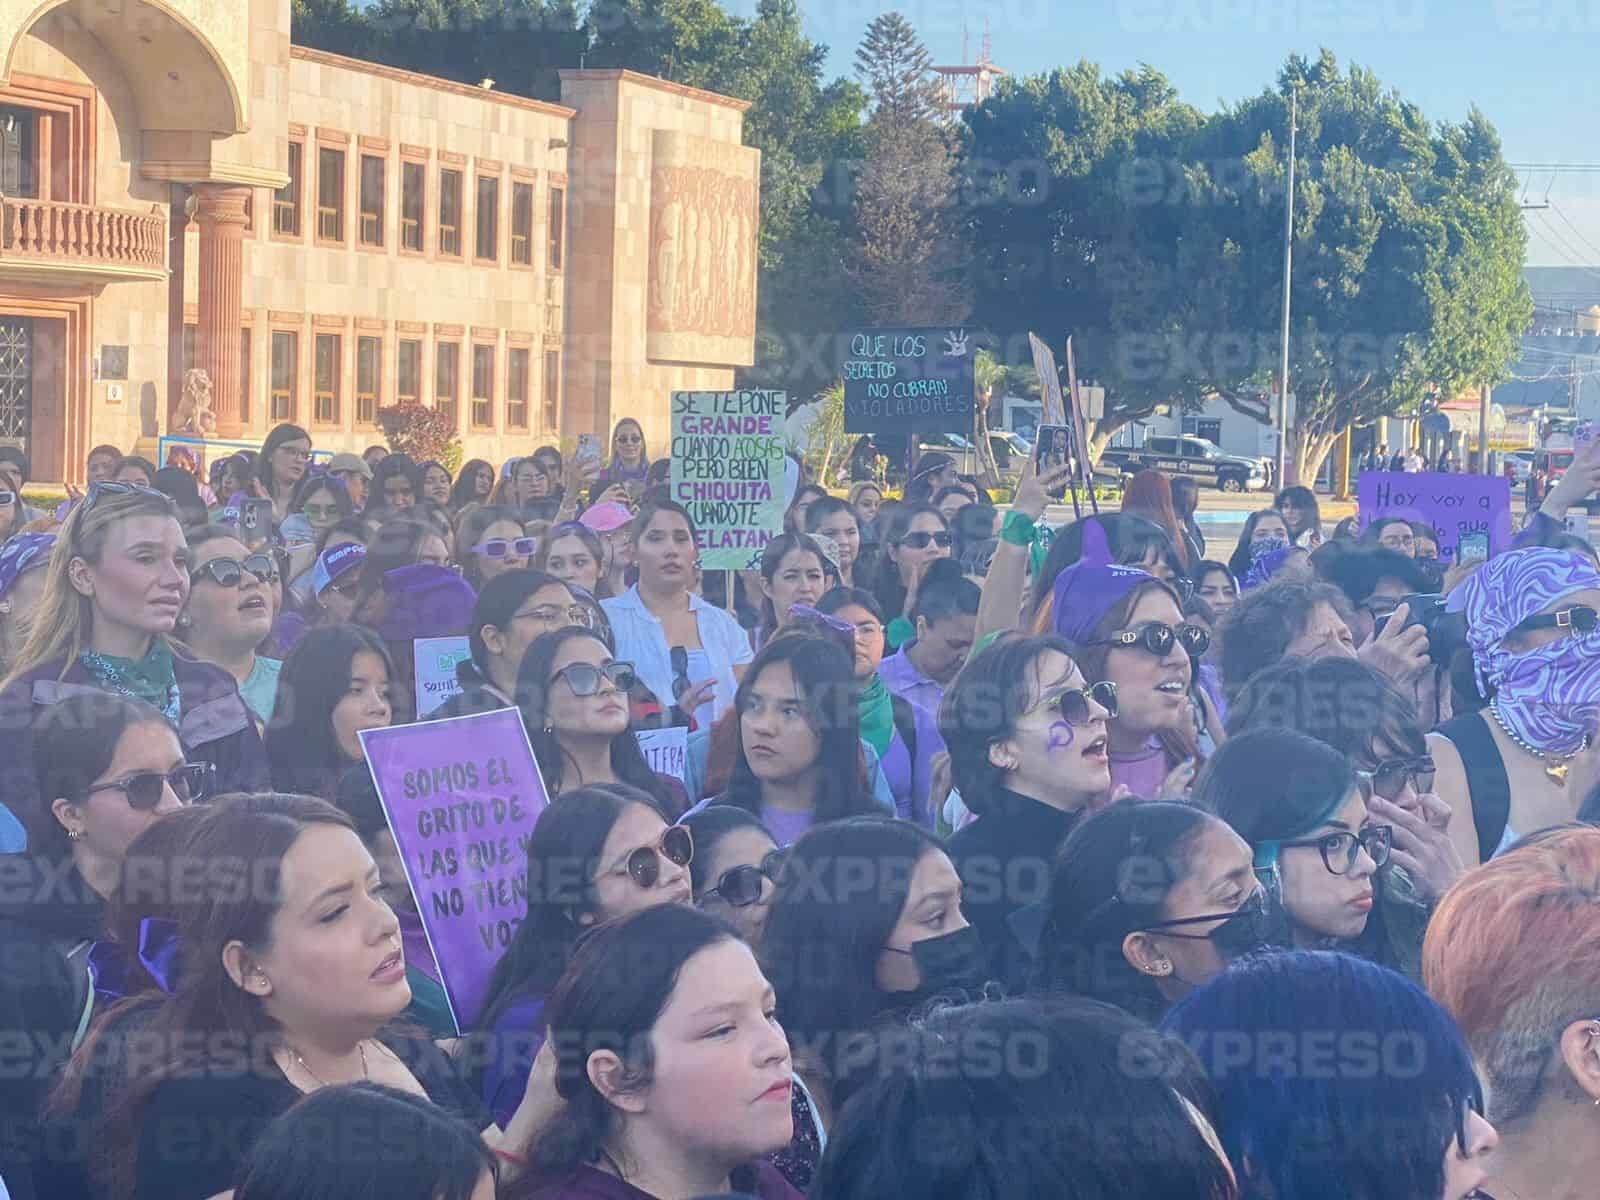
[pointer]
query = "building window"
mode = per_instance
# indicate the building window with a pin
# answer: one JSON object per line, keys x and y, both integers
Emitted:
{"x": 371, "y": 200}
{"x": 408, "y": 373}
{"x": 450, "y": 213}
{"x": 446, "y": 378}
{"x": 522, "y": 224}
{"x": 517, "y": 389}
{"x": 483, "y": 386}
{"x": 488, "y": 240}
{"x": 325, "y": 388}
{"x": 18, "y": 160}
{"x": 558, "y": 215}
{"x": 369, "y": 372}
{"x": 330, "y": 194}
{"x": 286, "y": 200}
{"x": 413, "y": 204}
{"x": 552, "y": 389}
{"x": 285, "y": 367}
{"x": 244, "y": 375}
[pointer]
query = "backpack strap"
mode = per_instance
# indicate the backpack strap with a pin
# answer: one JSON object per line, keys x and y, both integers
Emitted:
{"x": 905, "y": 724}
{"x": 1487, "y": 781}
{"x": 82, "y": 988}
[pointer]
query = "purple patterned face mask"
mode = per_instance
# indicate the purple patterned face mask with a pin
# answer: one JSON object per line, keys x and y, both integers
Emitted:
{"x": 1550, "y": 696}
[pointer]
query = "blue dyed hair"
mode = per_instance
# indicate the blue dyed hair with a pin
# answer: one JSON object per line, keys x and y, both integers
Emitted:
{"x": 1336, "y": 1079}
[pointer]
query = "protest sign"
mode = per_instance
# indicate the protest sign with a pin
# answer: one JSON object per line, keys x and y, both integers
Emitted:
{"x": 435, "y": 662}
{"x": 727, "y": 471}
{"x": 897, "y": 379}
{"x": 462, "y": 796}
{"x": 666, "y": 750}
{"x": 1455, "y": 505}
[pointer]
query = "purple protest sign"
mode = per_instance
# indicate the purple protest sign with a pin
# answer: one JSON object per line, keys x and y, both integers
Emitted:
{"x": 462, "y": 796}
{"x": 1456, "y": 505}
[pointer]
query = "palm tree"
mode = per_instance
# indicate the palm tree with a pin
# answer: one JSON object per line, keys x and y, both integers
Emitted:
{"x": 989, "y": 374}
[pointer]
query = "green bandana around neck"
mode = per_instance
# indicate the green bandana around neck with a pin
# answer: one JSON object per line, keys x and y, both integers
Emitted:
{"x": 877, "y": 715}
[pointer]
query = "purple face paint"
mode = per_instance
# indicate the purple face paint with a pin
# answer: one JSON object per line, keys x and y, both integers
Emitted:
{"x": 1061, "y": 736}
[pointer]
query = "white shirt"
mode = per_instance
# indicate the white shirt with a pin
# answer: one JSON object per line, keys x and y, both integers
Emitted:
{"x": 642, "y": 640}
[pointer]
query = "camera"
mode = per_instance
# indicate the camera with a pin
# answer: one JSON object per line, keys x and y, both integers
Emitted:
{"x": 1447, "y": 631}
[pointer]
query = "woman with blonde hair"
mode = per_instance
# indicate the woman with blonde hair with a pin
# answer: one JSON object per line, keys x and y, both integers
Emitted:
{"x": 118, "y": 578}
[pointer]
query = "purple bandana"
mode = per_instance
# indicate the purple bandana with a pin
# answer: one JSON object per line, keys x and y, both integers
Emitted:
{"x": 425, "y": 601}
{"x": 1092, "y": 586}
{"x": 1266, "y": 560}
{"x": 21, "y": 553}
{"x": 1548, "y": 697}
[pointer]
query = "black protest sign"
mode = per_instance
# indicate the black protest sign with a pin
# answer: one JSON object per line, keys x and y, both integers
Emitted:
{"x": 898, "y": 379}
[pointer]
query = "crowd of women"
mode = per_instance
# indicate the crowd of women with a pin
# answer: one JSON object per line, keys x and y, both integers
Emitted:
{"x": 1005, "y": 861}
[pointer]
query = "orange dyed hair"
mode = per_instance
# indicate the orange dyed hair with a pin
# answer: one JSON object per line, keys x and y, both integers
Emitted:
{"x": 1513, "y": 952}
{"x": 1149, "y": 495}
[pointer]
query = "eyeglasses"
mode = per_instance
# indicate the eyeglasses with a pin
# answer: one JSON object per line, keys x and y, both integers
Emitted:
{"x": 584, "y": 679}
{"x": 522, "y": 547}
{"x": 7, "y": 499}
{"x": 320, "y": 512}
{"x": 1157, "y": 637}
{"x": 1339, "y": 850}
{"x": 1073, "y": 704}
{"x": 294, "y": 452}
{"x": 680, "y": 672}
{"x": 553, "y": 614}
{"x": 1389, "y": 778}
{"x": 1579, "y": 617}
{"x": 920, "y": 540}
{"x": 1255, "y": 906}
{"x": 227, "y": 572}
{"x": 189, "y": 783}
{"x": 644, "y": 864}
{"x": 112, "y": 487}
{"x": 742, "y": 886}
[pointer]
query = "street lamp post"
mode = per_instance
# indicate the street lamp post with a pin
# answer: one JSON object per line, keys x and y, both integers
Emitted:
{"x": 1288, "y": 266}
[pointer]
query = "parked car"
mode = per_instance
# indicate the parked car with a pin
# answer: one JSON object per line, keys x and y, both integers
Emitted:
{"x": 1522, "y": 460}
{"x": 1011, "y": 451}
{"x": 1195, "y": 457}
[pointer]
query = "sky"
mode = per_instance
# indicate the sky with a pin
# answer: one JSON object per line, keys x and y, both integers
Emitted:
{"x": 1529, "y": 66}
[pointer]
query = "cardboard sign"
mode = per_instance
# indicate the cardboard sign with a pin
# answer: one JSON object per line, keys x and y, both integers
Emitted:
{"x": 899, "y": 379}
{"x": 435, "y": 662}
{"x": 1452, "y": 504}
{"x": 462, "y": 796}
{"x": 666, "y": 750}
{"x": 727, "y": 470}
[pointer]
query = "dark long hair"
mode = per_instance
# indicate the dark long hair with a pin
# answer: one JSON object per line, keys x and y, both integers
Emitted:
{"x": 464, "y": 490}
{"x": 1239, "y": 560}
{"x": 840, "y": 894}
{"x": 389, "y": 466}
{"x": 826, "y": 677}
{"x": 890, "y": 591}
{"x": 563, "y": 856}
{"x": 610, "y": 998}
{"x": 471, "y": 533}
{"x": 386, "y": 1143}
{"x": 710, "y": 825}
{"x": 1112, "y": 877}
{"x": 1129, "y": 537}
{"x": 311, "y": 484}
{"x": 394, "y": 544}
{"x": 74, "y": 742}
{"x": 497, "y": 603}
{"x": 242, "y": 840}
{"x": 279, "y": 435}
{"x": 533, "y": 695}
{"x": 301, "y": 747}
{"x": 772, "y": 558}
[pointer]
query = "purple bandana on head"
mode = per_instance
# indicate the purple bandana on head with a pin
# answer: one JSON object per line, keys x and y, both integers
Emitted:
{"x": 1092, "y": 586}
{"x": 425, "y": 601}
{"x": 23, "y": 553}
{"x": 1549, "y": 697}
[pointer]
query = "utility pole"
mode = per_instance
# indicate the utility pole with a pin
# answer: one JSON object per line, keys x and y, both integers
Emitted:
{"x": 1288, "y": 266}
{"x": 1483, "y": 429}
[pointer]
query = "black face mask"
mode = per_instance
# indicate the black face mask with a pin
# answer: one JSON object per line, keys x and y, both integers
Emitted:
{"x": 1259, "y": 925}
{"x": 949, "y": 964}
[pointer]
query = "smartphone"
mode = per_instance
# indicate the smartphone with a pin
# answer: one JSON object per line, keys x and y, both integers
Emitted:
{"x": 1052, "y": 450}
{"x": 255, "y": 521}
{"x": 1584, "y": 434}
{"x": 587, "y": 458}
{"x": 1472, "y": 545}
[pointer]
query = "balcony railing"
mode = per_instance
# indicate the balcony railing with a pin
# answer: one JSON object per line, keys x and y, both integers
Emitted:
{"x": 82, "y": 236}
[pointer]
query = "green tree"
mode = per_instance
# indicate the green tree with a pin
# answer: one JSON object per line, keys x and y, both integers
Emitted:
{"x": 898, "y": 72}
{"x": 336, "y": 26}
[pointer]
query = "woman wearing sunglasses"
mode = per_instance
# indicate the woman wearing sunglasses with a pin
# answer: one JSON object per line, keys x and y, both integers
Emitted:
{"x": 1147, "y": 901}
{"x": 735, "y": 867}
{"x": 229, "y": 613}
{"x": 916, "y": 535}
{"x": 629, "y": 462}
{"x": 108, "y": 769}
{"x": 492, "y": 542}
{"x": 117, "y": 580}
{"x": 574, "y": 699}
{"x": 1303, "y": 810}
{"x": 1027, "y": 739}
{"x": 572, "y": 552}
{"x": 596, "y": 854}
{"x": 1129, "y": 630}
{"x": 336, "y": 683}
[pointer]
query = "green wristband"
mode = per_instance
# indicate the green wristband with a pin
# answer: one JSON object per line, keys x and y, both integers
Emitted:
{"x": 1018, "y": 529}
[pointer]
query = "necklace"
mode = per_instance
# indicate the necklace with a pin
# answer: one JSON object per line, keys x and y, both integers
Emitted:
{"x": 321, "y": 1082}
{"x": 1556, "y": 766}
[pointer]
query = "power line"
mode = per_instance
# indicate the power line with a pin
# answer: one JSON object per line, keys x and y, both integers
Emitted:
{"x": 1556, "y": 239}
{"x": 1578, "y": 233}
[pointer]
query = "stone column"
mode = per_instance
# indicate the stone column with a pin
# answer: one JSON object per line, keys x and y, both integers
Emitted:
{"x": 221, "y": 217}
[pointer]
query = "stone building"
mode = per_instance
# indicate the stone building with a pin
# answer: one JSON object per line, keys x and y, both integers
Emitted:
{"x": 179, "y": 186}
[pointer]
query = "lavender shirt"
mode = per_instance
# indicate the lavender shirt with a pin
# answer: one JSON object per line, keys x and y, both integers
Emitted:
{"x": 900, "y": 676}
{"x": 1142, "y": 773}
{"x": 513, "y": 1045}
{"x": 912, "y": 781}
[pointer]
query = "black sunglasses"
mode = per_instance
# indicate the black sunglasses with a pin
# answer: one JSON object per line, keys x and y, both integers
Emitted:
{"x": 584, "y": 679}
{"x": 1389, "y": 778}
{"x": 112, "y": 487}
{"x": 227, "y": 572}
{"x": 7, "y": 498}
{"x": 676, "y": 846}
{"x": 1157, "y": 638}
{"x": 680, "y": 672}
{"x": 1580, "y": 617}
{"x": 1339, "y": 850}
{"x": 1073, "y": 704}
{"x": 189, "y": 783}
{"x": 742, "y": 886}
{"x": 920, "y": 539}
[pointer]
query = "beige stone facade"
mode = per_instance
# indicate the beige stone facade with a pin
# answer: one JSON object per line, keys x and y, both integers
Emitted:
{"x": 182, "y": 188}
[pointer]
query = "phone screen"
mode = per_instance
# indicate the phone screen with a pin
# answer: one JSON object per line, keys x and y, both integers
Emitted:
{"x": 1053, "y": 450}
{"x": 255, "y": 521}
{"x": 588, "y": 455}
{"x": 1471, "y": 546}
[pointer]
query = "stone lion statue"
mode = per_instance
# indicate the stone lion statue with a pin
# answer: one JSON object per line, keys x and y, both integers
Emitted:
{"x": 194, "y": 408}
